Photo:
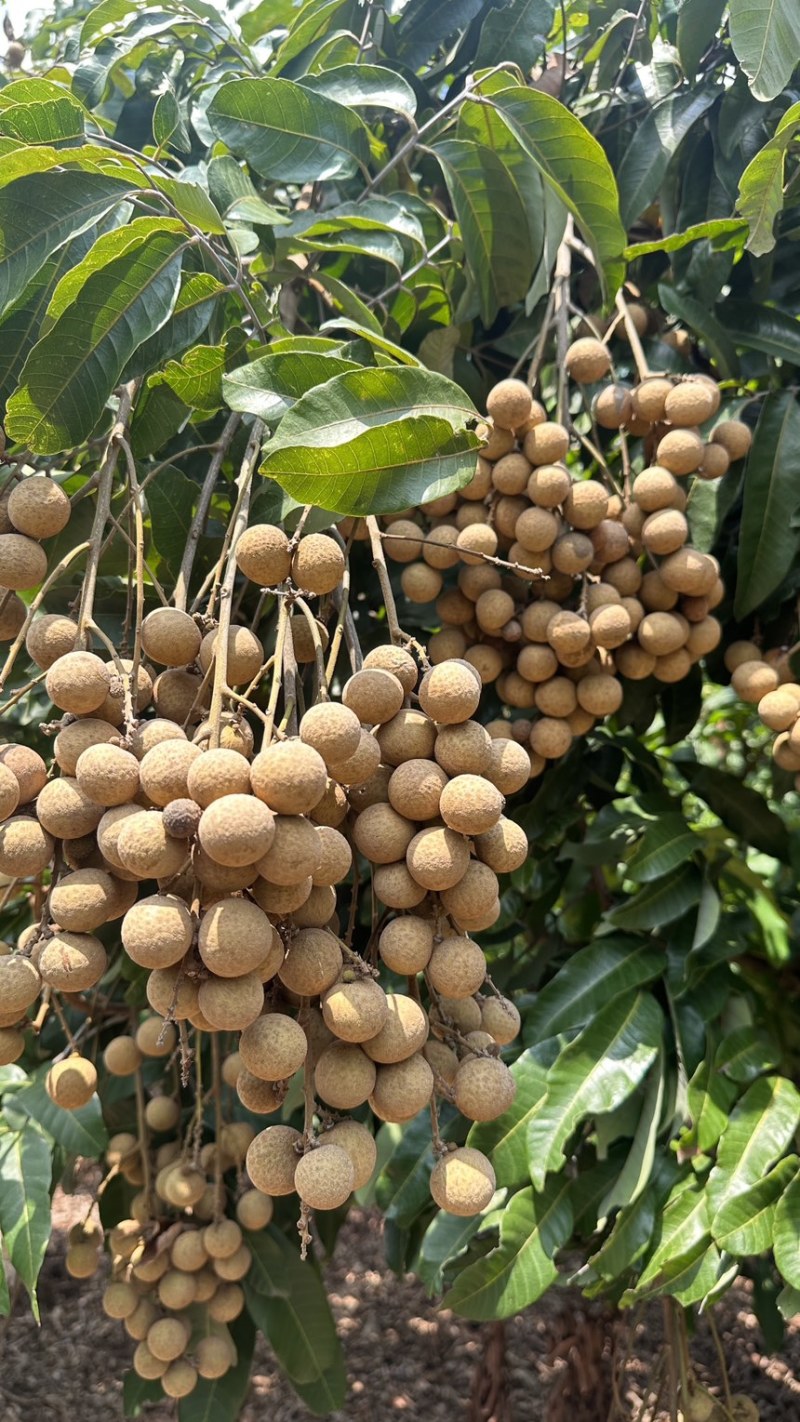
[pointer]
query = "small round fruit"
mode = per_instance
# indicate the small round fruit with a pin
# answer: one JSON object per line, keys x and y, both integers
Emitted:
{"x": 289, "y": 777}
{"x": 471, "y": 804}
{"x": 587, "y": 360}
{"x": 50, "y": 637}
{"x": 313, "y": 962}
{"x": 450, "y": 692}
{"x": 122, "y": 1056}
{"x": 254, "y": 1210}
{"x": 397, "y": 661}
{"x": 72, "y": 1083}
{"x": 273, "y": 1047}
{"x": 509, "y": 404}
{"x": 25, "y": 847}
{"x": 437, "y": 858}
{"x": 355, "y": 1011}
{"x": 170, "y": 637}
{"x": 231, "y": 1004}
{"x": 317, "y": 564}
{"x": 72, "y": 962}
{"x": 324, "y": 1177}
{"x": 402, "y": 1089}
{"x": 463, "y": 1182}
{"x": 263, "y": 554}
{"x": 236, "y": 830}
{"x": 78, "y": 682}
{"x": 272, "y": 1159}
{"x": 23, "y": 562}
{"x": 157, "y": 931}
{"x": 234, "y": 938}
{"x": 457, "y": 967}
{"x": 735, "y": 437}
{"x": 245, "y": 655}
{"x": 500, "y": 1018}
{"x": 406, "y": 944}
{"x": 332, "y": 730}
{"x": 374, "y": 694}
{"x": 38, "y": 507}
{"x": 484, "y": 1088}
{"x": 344, "y": 1076}
{"x": 404, "y": 1031}
{"x": 753, "y": 680}
{"x": 359, "y": 1144}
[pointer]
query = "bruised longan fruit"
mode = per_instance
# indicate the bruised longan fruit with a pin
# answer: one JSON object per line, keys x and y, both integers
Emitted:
{"x": 450, "y": 693}
{"x": 344, "y": 1076}
{"x": 500, "y": 1018}
{"x": 72, "y": 962}
{"x": 332, "y": 730}
{"x": 335, "y": 857}
{"x": 587, "y": 360}
{"x": 546, "y": 443}
{"x": 245, "y": 655}
{"x": 509, "y": 767}
{"x": 144, "y": 848}
{"x": 437, "y": 857}
{"x": 402, "y": 1089}
{"x": 38, "y": 507}
{"x": 374, "y": 695}
{"x": 263, "y": 554}
{"x": 505, "y": 846}
{"x": 23, "y": 562}
{"x": 509, "y": 404}
{"x": 273, "y": 1047}
{"x": 295, "y": 851}
{"x": 484, "y": 1088}
{"x": 753, "y": 680}
{"x": 78, "y": 682}
{"x": 154, "y": 1038}
{"x": 236, "y": 830}
{"x": 290, "y": 777}
{"x": 317, "y": 564}
{"x": 71, "y": 1083}
{"x": 83, "y": 900}
{"x": 272, "y": 1159}
{"x": 313, "y": 962}
{"x": 691, "y": 402}
{"x": 735, "y": 437}
{"x": 49, "y": 638}
{"x": 231, "y": 1004}
{"x": 406, "y": 944}
{"x": 234, "y": 938}
{"x": 170, "y": 637}
{"x": 324, "y": 1177}
{"x": 471, "y": 804}
{"x": 355, "y": 1011}
{"x": 612, "y": 407}
{"x": 463, "y": 1181}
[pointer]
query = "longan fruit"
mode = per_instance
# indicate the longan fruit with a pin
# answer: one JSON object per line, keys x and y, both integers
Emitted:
{"x": 180, "y": 695}
{"x": 410, "y": 735}
{"x": 509, "y": 767}
{"x": 222, "y": 1239}
{"x": 65, "y": 811}
{"x": 12, "y": 1045}
{"x": 500, "y": 1018}
{"x": 78, "y": 682}
{"x": 72, "y": 962}
{"x": 785, "y": 754}
{"x": 420, "y": 583}
{"x": 122, "y": 1056}
{"x": 234, "y": 937}
{"x": 548, "y": 485}
{"x": 475, "y": 542}
{"x": 735, "y": 437}
{"x": 703, "y": 637}
{"x": 245, "y": 655}
{"x": 487, "y": 661}
{"x": 536, "y": 531}
{"x": 600, "y": 694}
{"x": 374, "y": 695}
{"x": 231, "y": 1004}
{"x": 395, "y": 887}
{"x": 23, "y": 562}
{"x": 263, "y": 554}
{"x": 359, "y": 1145}
{"x": 463, "y": 1181}
{"x": 318, "y": 909}
{"x": 234, "y": 734}
{"x": 779, "y": 709}
{"x": 484, "y": 1088}
{"x": 279, "y": 900}
{"x": 587, "y": 360}
{"x": 738, "y": 652}
{"x": 381, "y": 834}
{"x": 324, "y": 1177}
{"x": 144, "y": 848}
{"x": 499, "y": 441}
{"x": 9, "y": 792}
{"x": 665, "y": 531}
{"x": 691, "y": 402}
{"x": 715, "y": 462}
{"x": 414, "y": 790}
{"x": 437, "y": 858}
{"x": 254, "y": 1210}
{"x": 505, "y": 846}
{"x": 213, "y": 1355}
{"x": 355, "y": 1011}
{"x": 475, "y": 892}
{"x": 332, "y": 808}
{"x": 450, "y": 693}
{"x": 481, "y": 481}
{"x": 555, "y": 697}
{"x": 167, "y": 1338}
{"x": 649, "y": 398}
{"x": 406, "y": 944}
{"x": 209, "y": 775}
{"x": 470, "y": 804}
{"x": 236, "y": 830}
{"x": 273, "y": 1047}
{"x": 493, "y": 609}
{"x": 119, "y": 1300}
{"x": 361, "y": 765}
{"x": 290, "y": 777}
{"x": 82, "y": 1261}
{"x": 38, "y": 507}
{"x": 463, "y": 748}
{"x": 272, "y": 1158}
{"x": 261, "y": 1097}
{"x": 464, "y": 1014}
{"x": 295, "y": 851}
{"x": 681, "y": 451}
{"x": 404, "y": 543}
{"x": 753, "y": 680}
{"x": 625, "y": 575}
{"x": 551, "y": 738}
{"x": 107, "y": 774}
{"x": 457, "y": 967}
{"x": 332, "y": 730}
{"x": 689, "y": 571}
{"x": 546, "y": 443}
{"x": 72, "y": 1083}
{"x": 13, "y": 614}
{"x": 610, "y": 625}
{"x": 170, "y": 637}
{"x": 227, "y": 1303}
{"x": 509, "y": 404}
{"x": 654, "y": 593}
{"x": 344, "y": 1076}
{"x": 442, "y": 1060}
{"x": 336, "y": 857}
{"x": 154, "y": 1038}
{"x": 313, "y": 962}
{"x": 82, "y": 901}
{"x": 317, "y": 564}
{"x": 586, "y": 504}
{"x": 439, "y": 548}
{"x": 50, "y": 637}
{"x": 572, "y": 553}
{"x": 661, "y": 633}
{"x": 612, "y": 407}
{"x": 402, "y": 1089}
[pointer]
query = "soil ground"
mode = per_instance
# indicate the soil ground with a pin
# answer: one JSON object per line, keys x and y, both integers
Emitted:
{"x": 404, "y": 1354}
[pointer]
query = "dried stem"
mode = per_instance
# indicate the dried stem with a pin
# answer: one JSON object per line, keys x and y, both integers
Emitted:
{"x": 216, "y": 1093}
{"x": 640, "y": 359}
{"x": 201, "y": 512}
{"x": 53, "y": 577}
{"x": 243, "y": 484}
{"x": 105, "y": 489}
{"x": 319, "y": 651}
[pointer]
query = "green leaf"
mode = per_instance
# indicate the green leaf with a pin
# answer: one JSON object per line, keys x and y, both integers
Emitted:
{"x": 73, "y": 369}
{"x": 446, "y": 1238}
{"x": 741, "y": 809}
{"x": 197, "y": 378}
{"x": 192, "y": 202}
{"x": 710, "y": 1097}
{"x": 42, "y": 211}
{"x": 39, "y": 111}
{"x": 786, "y": 1242}
{"x": 698, "y": 22}
{"x": 730, "y": 228}
{"x": 407, "y": 462}
{"x": 636, "y": 1172}
{"x": 193, "y": 310}
{"x": 504, "y": 1140}
{"x": 572, "y": 161}
{"x": 271, "y": 384}
{"x": 493, "y": 224}
{"x": 761, "y": 1126}
{"x": 137, "y": 1393}
{"x": 221, "y": 1399}
{"x": 765, "y": 35}
{"x": 745, "y": 1225}
{"x": 761, "y": 184}
{"x": 169, "y": 128}
{"x": 767, "y": 541}
{"x": 364, "y": 86}
{"x": 314, "y": 21}
{"x": 681, "y": 1237}
{"x": 667, "y": 843}
{"x": 287, "y": 133}
{"x": 26, "y": 1168}
{"x": 699, "y": 319}
{"x": 593, "y": 1074}
{"x": 287, "y": 1301}
{"x": 589, "y": 981}
{"x": 171, "y": 498}
{"x": 746, "y": 1053}
{"x": 80, "y": 1132}
{"x": 518, "y": 29}
{"x": 533, "y": 1227}
{"x": 661, "y": 902}
{"x": 654, "y": 144}
{"x": 346, "y": 406}
{"x": 762, "y": 328}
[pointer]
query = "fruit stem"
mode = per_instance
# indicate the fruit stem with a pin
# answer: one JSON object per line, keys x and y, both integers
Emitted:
{"x": 277, "y": 666}
{"x": 561, "y": 279}
{"x": 144, "y": 1139}
{"x": 105, "y": 489}
{"x": 319, "y": 654}
{"x": 216, "y": 1092}
{"x": 726, "y": 1384}
{"x": 640, "y": 359}
{"x": 239, "y": 524}
{"x": 201, "y": 512}
{"x": 379, "y": 564}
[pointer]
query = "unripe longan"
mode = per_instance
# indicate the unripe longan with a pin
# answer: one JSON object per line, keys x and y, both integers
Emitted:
{"x": 402, "y": 1089}
{"x": 78, "y": 682}
{"x": 71, "y": 1083}
{"x": 484, "y": 1088}
{"x": 262, "y": 554}
{"x": 50, "y": 637}
{"x": 463, "y": 1181}
{"x": 273, "y": 1047}
{"x": 317, "y": 564}
{"x": 272, "y": 1159}
{"x": 344, "y": 1076}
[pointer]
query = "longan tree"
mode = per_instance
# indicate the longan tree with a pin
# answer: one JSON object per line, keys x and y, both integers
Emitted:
{"x": 398, "y": 591}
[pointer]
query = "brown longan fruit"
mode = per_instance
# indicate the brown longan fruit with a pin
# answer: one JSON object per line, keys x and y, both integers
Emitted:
{"x": 122, "y": 1056}
{"x": 505, "y": 846}
{"x": 402, "y": 1089}
{"x": 450, "y": 693}
{"x": 587, "y": 360}
{"x": 360, "y": 766}
{"x": 273, "y": 1047}
{"x": 344, "y": 1076}
{"x": 317, "y": 564}
{"x": 509, "y": 767}
{"x": 170, "y": 991}
{"x": 555, "y": 697}
{"x": 318, "y": 909}
{"x": 170, "y": 637}
{"x": 600, "y": 694}
{"x": 691, "y": 402}
{"x": 263, "y": 554}
{"x": 612, "y": 407}
{"x": 254, "y": 1211}
{"x": 50, "y": 637}
{"x": 381, "y": 834}
{"x": 23, "y": 562}
{"x": 688, "y": 571}
{"x": 457, "y": 967}
{"x": 703, "y": 637}
{"x": 335, "y": 860}
{"x": 236, "y": 830}
{"x": 72, "y": 1083}
{"x": 476, "y": 541}
{"x": 374, "y": 695}
{"x": 625, "y": 575}
{"x": 715, "y": 462}
{"x": 231, "y": 1004}
{"x": 155, "y": 1038}
{"x": 406, "y": 944}
{"x": 474, "y": 900}
{"x": 510, "y": 474}
{"x": 324, "y": 1177}
{"x": 234, "y": 938}
{"x": 484, "y": 1088}
{"x": 245, "y": 655}
{"x": 38, "y": 507}
{"x": 313, "y": 962}
{"x": 546, "y": 443}
{"x": 404, "y": 543}
{"x": 9, "y": 792}
{"x": 509, "y": 404}
{"x": 78, "y": 682}
{"x": 471, "y": 804}
{"x": 442, "y": 1060}
{"x": 410, "y": 735}
{"x": 493, "y": 609}
{"x": 420, "y": 583}
{"x": 610, "y": 625}
{"x": 208, "y": 777}
{"x": 661, "y": 633}
{"x": 665, "y": 531}
{"x": 12, "y": 1045}
{"x": 180, "y": 695}
{"x": 648, "y": 399}
{"x": 162, "y": 1113}
{"x": 355, "y": 1011}
{"x": 437, "y": 858}
{"x": 586, "y": 504}
{"x": 463, "y": 1181}
{"x": 331, "y": 808}
{"x": 222, "y": 1239}
{"x": 295, "y": 851}
{"x": 279, "y": 900}
{"x": 395, "y": 887}
{"x": 463, "y": 748}
{"x": 536, "y": 530}
{"x": 548, "y": 485}
{"x": 572, "y": 553}
{"x": 735, "y": 437}
{"x": 439, "y": 548}
{"x": 487, "y": 661}
{"x": 144, "y": 848}
{"x": 414, "y": 790}
{"x": 551, "y": 738}
{"x": 359, "y": 1145}
{"x": 82, "y": 1261}
{"x": 753, "y": 680}
{"x": 120, "y": 1299}
{"x": 498, "y": 442}
{"x": 82, "y": 901}
{"x": 786, "y": 755}
{"x": 167, "y": 1339}
{"x": 107, "y": 774}
{"x": 65, "y": 811}
{"x": 680, "y": 451}
{"x": 272, "y": 1159}
{"x": 673, "y": 667}
{"x": 779, "y": 709}
{"x": 332, "y": 730}
{"x": 738, "y": 652}
{"x": 13, "y": 614}
{"x": 290, "y": 777}
{"x": 500, "y": 1018}
{"x": 263, "y": 1098}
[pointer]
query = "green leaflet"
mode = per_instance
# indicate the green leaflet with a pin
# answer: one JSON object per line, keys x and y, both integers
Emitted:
{"x": 287, "y": 133}
{"x": 25, "y": 1172}
{"x": 533, "y": 1227}
{"x": 765, "y": 35}
{"x": 761, "y": 184}
{"x": 768, "y": 542}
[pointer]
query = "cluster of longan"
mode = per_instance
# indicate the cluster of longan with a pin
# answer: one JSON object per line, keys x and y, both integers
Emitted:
{"x": 562, "y": 587}
{"x": 31, "y": 509}
{"x": 767, "y": 681}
